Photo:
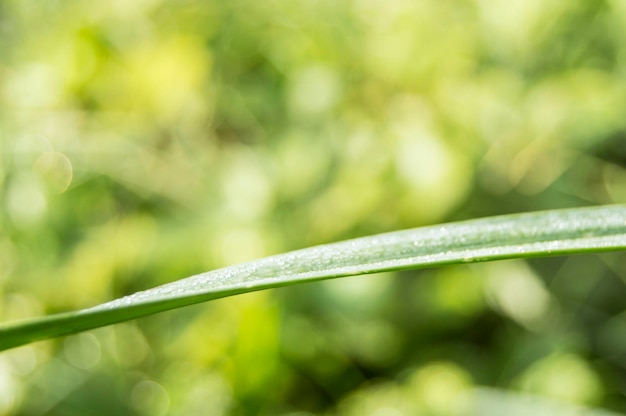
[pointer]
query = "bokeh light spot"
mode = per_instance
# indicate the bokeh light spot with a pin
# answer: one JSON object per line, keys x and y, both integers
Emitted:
{"x": 150, "y": 398}
{"x": 83, "y": 350}
{"x": 55, "y": 170}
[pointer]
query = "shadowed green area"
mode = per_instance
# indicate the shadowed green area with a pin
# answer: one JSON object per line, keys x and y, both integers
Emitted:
{"x": 143, "y": 141}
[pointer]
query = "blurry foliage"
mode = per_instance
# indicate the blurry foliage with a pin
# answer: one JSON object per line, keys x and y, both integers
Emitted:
{"x": 143, "y": 141}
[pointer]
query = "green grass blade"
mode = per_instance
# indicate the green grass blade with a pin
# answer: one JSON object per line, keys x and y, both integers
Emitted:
{"x": 511, "y": 236}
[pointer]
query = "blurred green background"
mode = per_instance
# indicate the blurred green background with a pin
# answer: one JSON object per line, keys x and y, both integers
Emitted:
{"x": 142, "y": 141}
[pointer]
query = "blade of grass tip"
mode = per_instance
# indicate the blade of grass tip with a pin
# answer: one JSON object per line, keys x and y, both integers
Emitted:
{"x": 511, "y": 236}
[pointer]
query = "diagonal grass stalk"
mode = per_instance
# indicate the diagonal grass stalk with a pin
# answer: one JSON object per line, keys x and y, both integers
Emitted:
{"x": 535, "y": 234}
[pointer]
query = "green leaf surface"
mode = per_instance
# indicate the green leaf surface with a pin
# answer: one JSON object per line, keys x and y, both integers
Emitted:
{"x": 511, "y": 236}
